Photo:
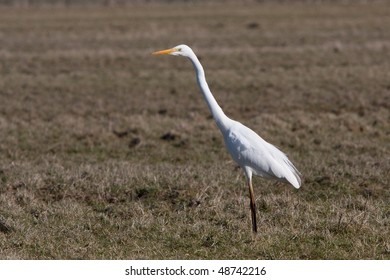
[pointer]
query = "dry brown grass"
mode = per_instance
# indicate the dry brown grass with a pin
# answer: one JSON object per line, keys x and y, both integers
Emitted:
{"x": 109, "y": 153}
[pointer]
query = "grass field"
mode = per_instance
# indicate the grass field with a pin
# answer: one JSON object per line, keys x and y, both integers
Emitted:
{"x": 107, "y": 152}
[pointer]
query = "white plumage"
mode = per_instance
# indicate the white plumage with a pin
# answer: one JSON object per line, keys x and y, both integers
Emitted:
{"x": 257, "y": 156}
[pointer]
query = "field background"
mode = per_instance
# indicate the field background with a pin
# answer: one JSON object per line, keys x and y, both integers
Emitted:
{"x": 107, "y": 152}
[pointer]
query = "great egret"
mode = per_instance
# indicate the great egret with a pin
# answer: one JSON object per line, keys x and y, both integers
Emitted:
{"x": 251, "y": 152}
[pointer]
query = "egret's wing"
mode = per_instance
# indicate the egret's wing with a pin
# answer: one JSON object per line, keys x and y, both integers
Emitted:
{"x": 249, "y": 149}
{"x": 285, "y": 167}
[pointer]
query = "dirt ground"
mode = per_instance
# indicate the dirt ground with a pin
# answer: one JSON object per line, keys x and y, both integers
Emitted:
{"x": 108, "y": 152}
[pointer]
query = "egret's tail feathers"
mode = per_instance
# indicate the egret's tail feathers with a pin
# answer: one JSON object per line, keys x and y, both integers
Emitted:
{"x": 294, "y": 180}
{"x": 281, "y": 167}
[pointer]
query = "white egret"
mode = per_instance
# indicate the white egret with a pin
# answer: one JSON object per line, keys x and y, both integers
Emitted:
{"x": 251, "y": 152}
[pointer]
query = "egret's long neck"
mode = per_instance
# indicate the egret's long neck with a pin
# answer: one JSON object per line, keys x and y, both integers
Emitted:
{"x": 220, "y": 118}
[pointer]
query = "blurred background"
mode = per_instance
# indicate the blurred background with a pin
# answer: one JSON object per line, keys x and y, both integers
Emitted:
{"x": 107, "y": 152}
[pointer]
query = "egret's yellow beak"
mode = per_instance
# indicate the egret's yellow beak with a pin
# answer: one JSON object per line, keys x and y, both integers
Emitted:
{"x": 169, "y": 51}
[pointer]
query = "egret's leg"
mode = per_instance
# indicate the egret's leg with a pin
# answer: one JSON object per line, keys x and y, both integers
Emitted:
{"x": 253, "y": 206}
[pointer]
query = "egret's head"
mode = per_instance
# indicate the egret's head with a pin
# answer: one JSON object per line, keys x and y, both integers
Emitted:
{"x": 182, "y": 50}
